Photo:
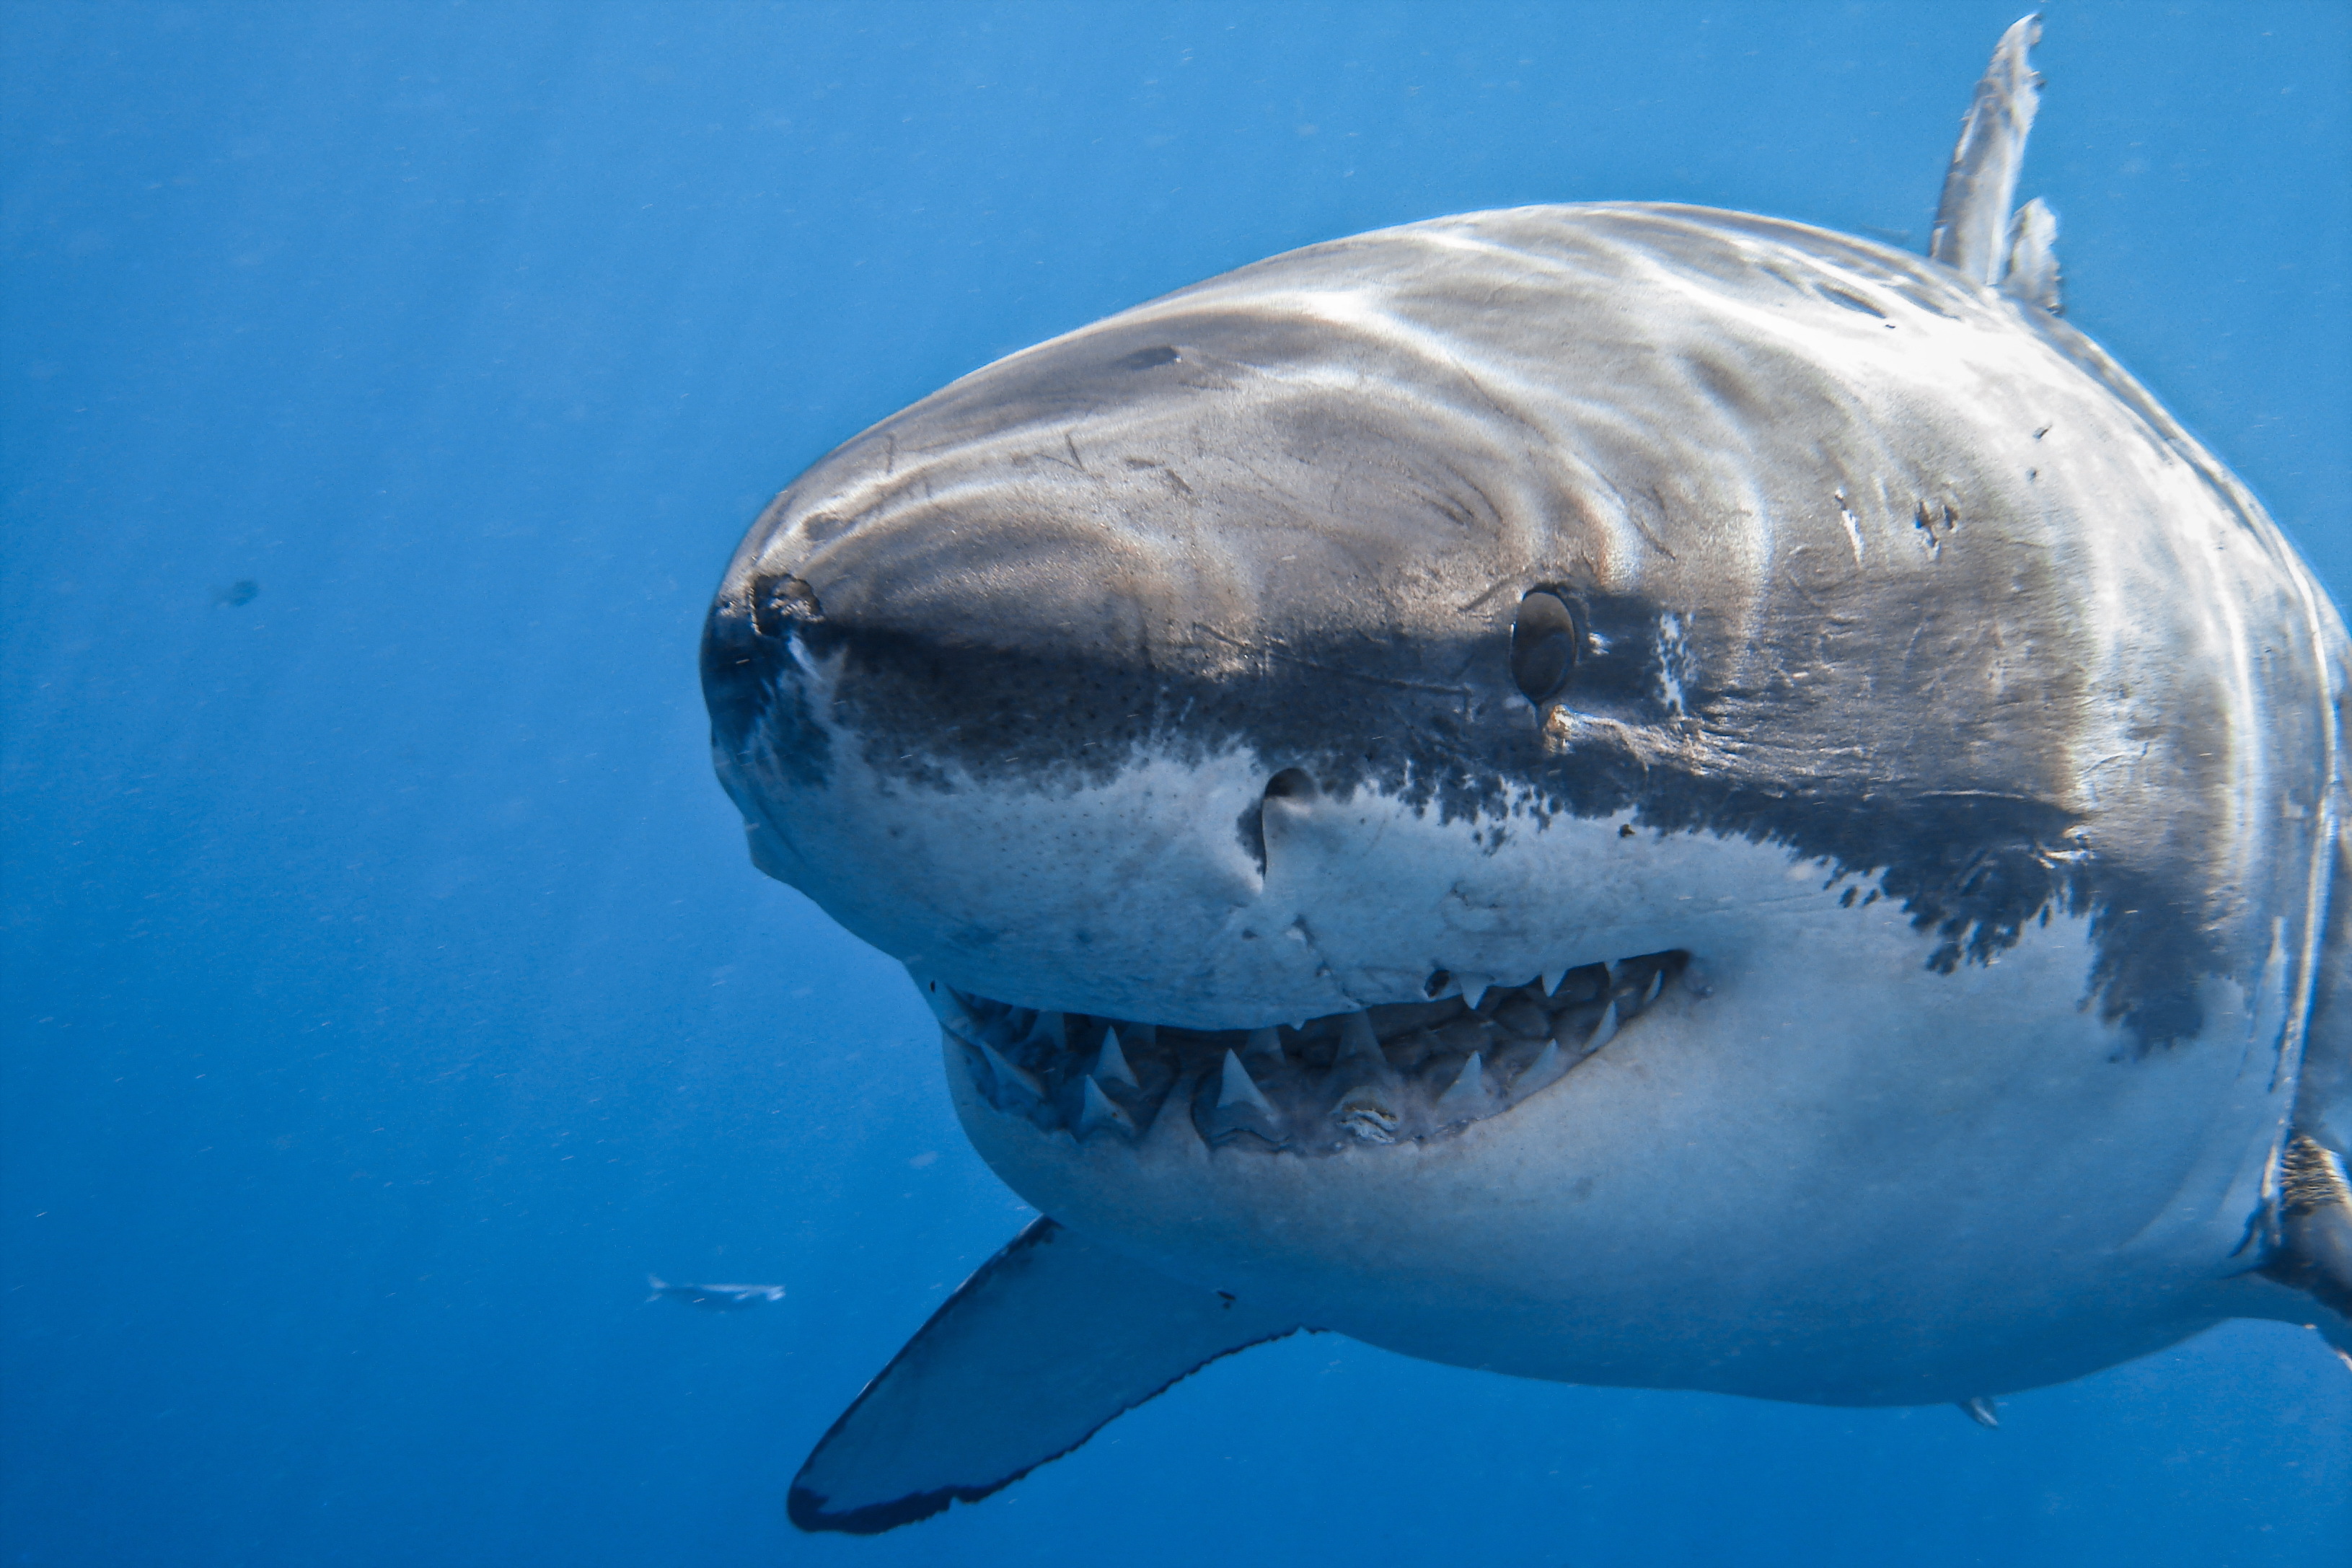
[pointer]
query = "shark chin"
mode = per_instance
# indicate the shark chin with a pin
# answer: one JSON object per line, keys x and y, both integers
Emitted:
{"x": 1620, "y": 794}
{"x": 1759, "y": 1164}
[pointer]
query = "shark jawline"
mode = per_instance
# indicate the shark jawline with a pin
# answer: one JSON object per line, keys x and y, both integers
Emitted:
{"x": 1381, "y": 1076}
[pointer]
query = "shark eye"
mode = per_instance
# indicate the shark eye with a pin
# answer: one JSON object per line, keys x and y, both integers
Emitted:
{"x": 1543, "y": 645}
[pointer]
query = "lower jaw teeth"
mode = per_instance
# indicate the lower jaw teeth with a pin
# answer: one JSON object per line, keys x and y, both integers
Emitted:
{"x": 1381, "y": 1076}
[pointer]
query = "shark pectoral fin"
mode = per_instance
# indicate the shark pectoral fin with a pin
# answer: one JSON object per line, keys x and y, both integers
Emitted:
{"x": 2315, "y": 1252}
{"x": 1032, "y": 1355}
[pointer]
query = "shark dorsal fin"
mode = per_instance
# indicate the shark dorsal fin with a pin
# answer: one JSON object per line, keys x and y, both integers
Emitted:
{"x": 2032, "y": 274}
{"x": 1972, "y": 220}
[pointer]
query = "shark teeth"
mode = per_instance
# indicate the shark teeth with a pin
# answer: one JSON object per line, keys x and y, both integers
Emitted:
{"x": 1110, "y": 1064}
{"x": 1098, "y": 1112}
{"x": 1009, "y": 1080}
{"x": 1243, "y": 1107}
{"x": 1174, "y": 1135}
{"x": 1238, "y": 1088}
{"x": 1467, "y": 1096}
{"x": 1548, "y": 1067}
{"x": 1376, "y": 1076}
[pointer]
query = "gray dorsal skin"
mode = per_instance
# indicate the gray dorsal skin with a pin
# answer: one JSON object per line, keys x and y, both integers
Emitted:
{"x": 1972, "y": 225}
{"x": 1622, "y": 794}
{"x": 1052, "y": 1338}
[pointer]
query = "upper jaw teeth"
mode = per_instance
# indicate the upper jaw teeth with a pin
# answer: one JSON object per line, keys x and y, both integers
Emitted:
{"x": 1378, "y": 1075}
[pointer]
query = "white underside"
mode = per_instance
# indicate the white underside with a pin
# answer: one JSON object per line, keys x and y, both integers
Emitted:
{"x": 1840, "y": 1177}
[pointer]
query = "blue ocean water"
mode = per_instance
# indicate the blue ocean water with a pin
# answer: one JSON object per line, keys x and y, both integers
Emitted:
{"x": 386, "y": 991}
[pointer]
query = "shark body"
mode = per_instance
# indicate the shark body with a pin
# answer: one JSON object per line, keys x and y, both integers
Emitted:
{"x": 1622, "y": 794}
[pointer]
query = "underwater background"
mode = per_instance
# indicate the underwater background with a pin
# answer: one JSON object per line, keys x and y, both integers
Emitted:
{"x": 382, "y": 388}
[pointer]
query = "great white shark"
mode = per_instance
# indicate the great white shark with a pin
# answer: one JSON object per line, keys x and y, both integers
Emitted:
{"x": 1625, "y": 793}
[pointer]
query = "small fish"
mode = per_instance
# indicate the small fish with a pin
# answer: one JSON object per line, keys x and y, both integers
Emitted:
{"x": 239, "y": 592}
{"x": 714, "y": 1298}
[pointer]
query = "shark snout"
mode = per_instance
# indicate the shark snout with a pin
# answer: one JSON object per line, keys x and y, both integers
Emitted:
{"x": 1067, "y": 759}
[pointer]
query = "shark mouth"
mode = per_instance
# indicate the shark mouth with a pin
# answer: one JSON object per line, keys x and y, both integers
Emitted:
{"x": 1381, "y": 1076}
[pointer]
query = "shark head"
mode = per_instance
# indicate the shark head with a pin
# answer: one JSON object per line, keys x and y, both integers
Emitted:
{"x": 1602, "y": 791}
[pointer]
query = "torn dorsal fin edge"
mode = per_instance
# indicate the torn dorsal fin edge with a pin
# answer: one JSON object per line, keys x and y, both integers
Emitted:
{"x": 1972, "y": 218}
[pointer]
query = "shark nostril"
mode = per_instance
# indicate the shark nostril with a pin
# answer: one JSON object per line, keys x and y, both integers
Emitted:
{"x": 1544, "y": 642}
{"x": 1290, "y": 784}
{"x": 1439, "y": 979}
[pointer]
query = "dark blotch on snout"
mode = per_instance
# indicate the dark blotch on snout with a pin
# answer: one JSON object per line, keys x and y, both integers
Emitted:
{"x": 743, "y": 650}
{"x": 780, "y": 599}
{"x": 1544, "y": 641}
